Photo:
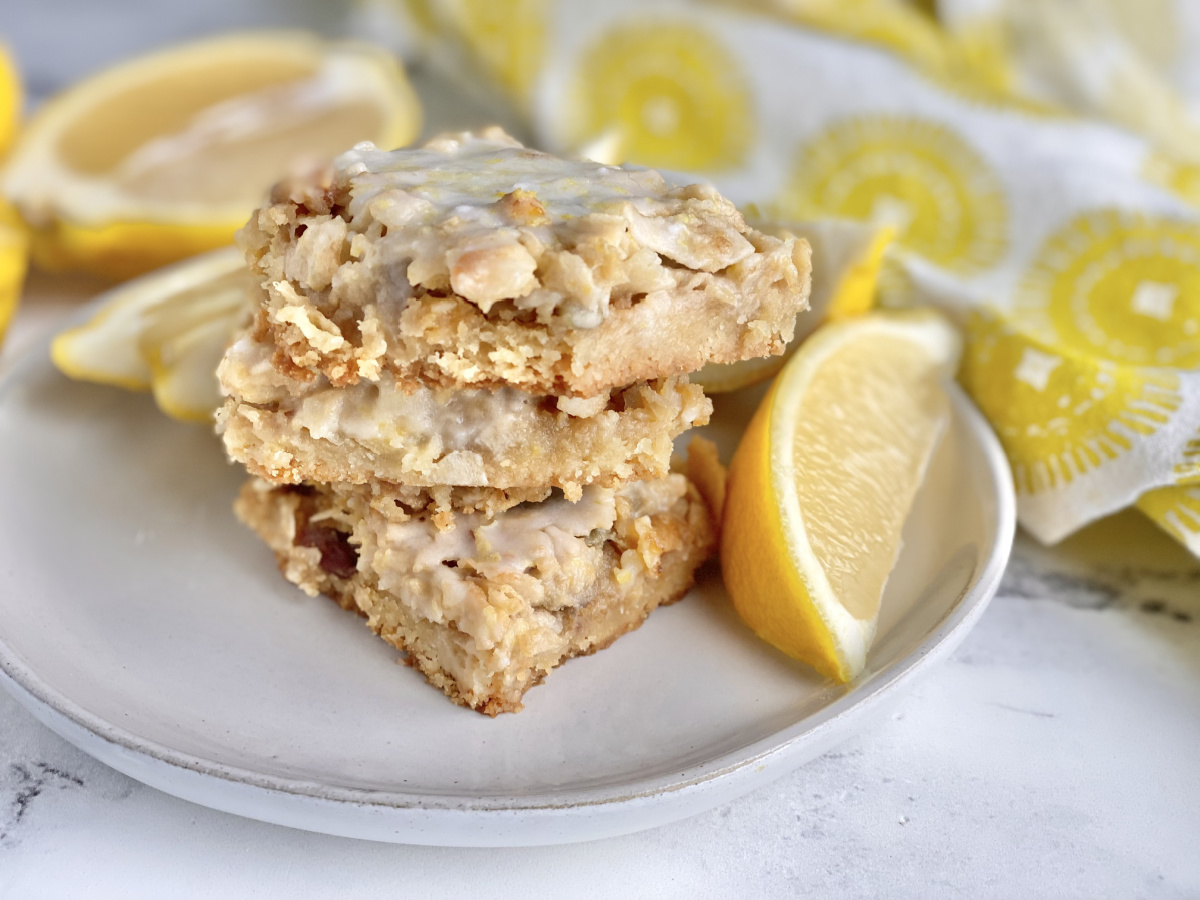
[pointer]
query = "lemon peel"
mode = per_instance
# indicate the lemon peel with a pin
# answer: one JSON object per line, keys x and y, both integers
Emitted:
{"x": 704, "y": 470}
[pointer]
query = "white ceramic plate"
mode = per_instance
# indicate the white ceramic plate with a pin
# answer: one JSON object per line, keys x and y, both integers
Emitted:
{"x": 141, "y": 622}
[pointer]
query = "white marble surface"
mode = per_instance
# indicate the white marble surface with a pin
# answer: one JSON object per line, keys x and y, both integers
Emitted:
{"x": 1054, "y": 755}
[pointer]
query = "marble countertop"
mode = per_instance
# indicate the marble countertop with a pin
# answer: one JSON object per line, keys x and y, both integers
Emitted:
{"x": 1055, "y": 754}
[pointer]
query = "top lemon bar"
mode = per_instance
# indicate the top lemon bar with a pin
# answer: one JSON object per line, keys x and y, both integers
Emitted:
{"x": 476, "y": 262}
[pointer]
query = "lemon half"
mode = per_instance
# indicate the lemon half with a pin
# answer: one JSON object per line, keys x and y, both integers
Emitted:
{"x": 167, "y": 155}
{"x": 824, "y": 478}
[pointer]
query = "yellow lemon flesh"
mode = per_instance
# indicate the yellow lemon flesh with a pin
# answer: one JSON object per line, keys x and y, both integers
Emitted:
{"x": 167, "y": 155}
{"x": 846, "y": 259}
{"x": 164, "y": 332}
{"x": 824, "y": 478}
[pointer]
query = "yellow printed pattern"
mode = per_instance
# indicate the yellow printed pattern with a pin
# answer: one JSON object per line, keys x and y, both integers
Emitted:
{"x": 1124, "y": 286}
{"x": 1150, "y": 26}
{"x": 1187, "y": 470}
{"x": 507, "y": 37}
{"x": 1177, "y": 511}
{"x": 972, "y": 63}
{"x": 1060, "y": 413}
{"x": 1178, "y": 176}
{"x": 945, "y": 202}
{"x": 672, "y": 93}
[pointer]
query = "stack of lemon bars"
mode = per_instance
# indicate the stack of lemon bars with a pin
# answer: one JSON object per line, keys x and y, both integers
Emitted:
{"x": 460, "y": 389}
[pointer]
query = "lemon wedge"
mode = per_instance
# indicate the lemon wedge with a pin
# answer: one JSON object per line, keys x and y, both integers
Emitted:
{"x": 164, "y": 332}
{"x": 823, "y": 480}
{"x": 846, "y": 259}
{"x": 166, "y": 156}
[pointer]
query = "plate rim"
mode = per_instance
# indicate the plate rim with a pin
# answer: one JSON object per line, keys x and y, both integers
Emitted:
{"x": 127, "y": 752}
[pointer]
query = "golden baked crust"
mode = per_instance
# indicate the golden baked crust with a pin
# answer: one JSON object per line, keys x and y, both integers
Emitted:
{"x": 287, "y": 430}
{"x": 477, "y": 262}
{"x": 485, "y": 605}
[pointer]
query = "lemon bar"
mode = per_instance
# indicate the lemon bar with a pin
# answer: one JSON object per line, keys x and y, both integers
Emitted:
{"x": 486, "y": 592}
{"x": 476, "y": 262}
{"x": 289, "y": 430}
